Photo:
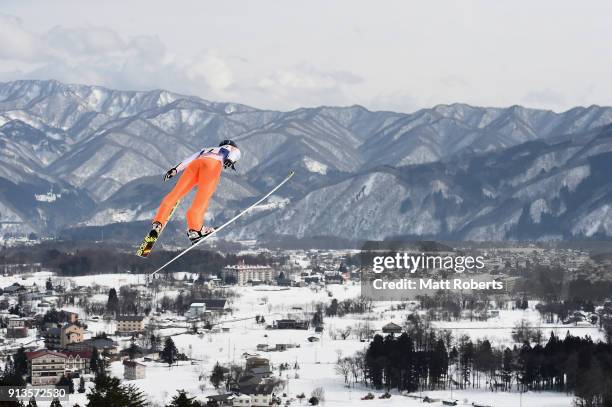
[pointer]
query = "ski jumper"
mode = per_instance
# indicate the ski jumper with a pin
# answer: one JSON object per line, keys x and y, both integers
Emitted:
{"x": 202, "y": 169}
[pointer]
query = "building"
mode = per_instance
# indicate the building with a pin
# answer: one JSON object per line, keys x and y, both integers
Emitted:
{"x": 242, "y": 400}
{"x": 46, "y": 367}
{"x": 16, "y": 328}
{"x": 77, "y": 361}
{"x": 313, "y": 279}
{"x": 252, "y": 400}
{"x": 133, "y": 370}
{"x": 14, "y": 289}
{"x": 262, "y": 399}
{"x": 248, "y": 273}
{"x": 224, "y": 400}
{"x": 196, "y": 310}
{"x": 392, "y": 328}
{"x": 258, "y": 366}
{"x": 59, "y": 338}
{"x": 257, "y": 382}
{"x": 16, "y": 323}
{"x": 68, "y": 317}
{"x": 291, "y": 324}
{"x": 105, "y": 346}
{"x": 210, "y": 280}
{"x": 334, "y": 279}
{"x": 215, "y": 304}
{"x": 130, "y": 324}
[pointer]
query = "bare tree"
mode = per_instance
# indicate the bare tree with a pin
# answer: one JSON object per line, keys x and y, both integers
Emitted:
{"x": 318, "y": 393}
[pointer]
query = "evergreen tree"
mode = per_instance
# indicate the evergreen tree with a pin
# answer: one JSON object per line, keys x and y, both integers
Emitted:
{"x": 66, "y": 381}
{"x": 466, "y": 357}
{"x": 56, "y": 403}
{"x": 49, "y": 284}
{"x": 438, "y": 364}
{"x": 317, "y": 318}
{"x": 332, "y": 310}
{"x": 94, "y": 362}
{"x": 109, "y": 391}
{"x": 409, "y": 376}
{"x": 81, "y": 385}
{"x": 9, "y": 377}
{"x": 112, "y": 305}
{"x": 484, "y": 359}
{"x": 133, "y": 351}
{"x": 20, "y": 362}
{"x": 375, "y": 361}
{"x": 9, "y": 366}
{"x": 507, "y": 368}
{"x": 217, "y": 376}
{"x": 154, "y": 343}
{"x": 181, "y": 400}
{"x": 169, "y": 353}
{"x": 32, "y": 402}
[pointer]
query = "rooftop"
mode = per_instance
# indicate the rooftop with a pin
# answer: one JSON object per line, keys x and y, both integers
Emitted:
{"x": 136, "y": 318}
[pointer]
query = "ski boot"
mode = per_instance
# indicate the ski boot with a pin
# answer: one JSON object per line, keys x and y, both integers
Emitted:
{"x": 196, "y": 235}
{"x": 156, "y": 229}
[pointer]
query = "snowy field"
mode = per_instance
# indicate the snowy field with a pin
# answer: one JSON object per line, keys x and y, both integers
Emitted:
{"x": 316, "y": 360}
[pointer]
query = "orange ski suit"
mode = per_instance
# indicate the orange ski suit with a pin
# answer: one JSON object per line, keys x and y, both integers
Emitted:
{"x": 204, "y": 172}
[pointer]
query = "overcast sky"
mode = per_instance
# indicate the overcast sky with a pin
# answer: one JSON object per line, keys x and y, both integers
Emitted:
{"x": 392, "y": 55}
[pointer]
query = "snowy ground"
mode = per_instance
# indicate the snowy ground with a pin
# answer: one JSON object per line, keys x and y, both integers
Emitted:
{"x": 316, "y": 360}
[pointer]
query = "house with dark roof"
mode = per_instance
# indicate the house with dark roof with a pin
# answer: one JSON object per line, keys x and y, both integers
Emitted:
{"x": 15, "y": 288}
{"x": 257, "y": 381}
{"x": 392, "y": 328}
{"x": 223, "y": 400}
{"x": 216, "y": 304}
{"x": 103, "y": 345}
{"x": 291, "y": 324}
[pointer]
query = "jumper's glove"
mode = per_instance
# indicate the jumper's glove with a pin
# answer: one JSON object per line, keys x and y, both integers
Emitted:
{"x": 171, "y": 173}
{"x": 229, "y": 164}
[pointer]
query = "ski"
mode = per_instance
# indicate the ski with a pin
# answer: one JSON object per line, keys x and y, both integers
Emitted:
{"x": 232, "y": 220}
{"x": 149, "y": 241}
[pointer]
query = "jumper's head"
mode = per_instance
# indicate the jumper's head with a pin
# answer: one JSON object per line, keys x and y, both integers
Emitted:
{"x": 228, "y": 143}
{"x": 232, "y": 153}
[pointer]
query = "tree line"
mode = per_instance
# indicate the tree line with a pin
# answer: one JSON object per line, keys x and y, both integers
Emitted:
{"x": 430, "y": 361}
{"x": 67, "y": 260}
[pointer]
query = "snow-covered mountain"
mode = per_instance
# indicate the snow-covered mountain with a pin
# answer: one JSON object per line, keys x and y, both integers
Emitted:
{"x": 77, "y": 155}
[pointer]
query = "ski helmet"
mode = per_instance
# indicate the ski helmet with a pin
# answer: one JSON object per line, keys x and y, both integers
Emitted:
{"x": 227, "y": 143}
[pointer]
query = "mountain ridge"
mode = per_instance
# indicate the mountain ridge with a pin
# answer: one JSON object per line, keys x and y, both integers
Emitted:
{"x": 105, "y": 148}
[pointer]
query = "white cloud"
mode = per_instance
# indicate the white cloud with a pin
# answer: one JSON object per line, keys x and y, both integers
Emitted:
{"x": 210, "y": 68}
{"x": 305, "y": 84}
{"x": 390, "y": 55}
{"x": 84, "y": 41}
{"x": 17, "y": 43}
{"x": 100, "y": 56}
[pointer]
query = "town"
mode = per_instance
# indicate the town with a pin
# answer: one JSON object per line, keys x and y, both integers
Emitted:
{"x": 289, "y": 327}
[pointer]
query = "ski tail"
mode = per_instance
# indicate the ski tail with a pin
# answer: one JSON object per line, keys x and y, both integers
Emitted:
{"x": 149, "y": 241}
{"x": 232, "y": 220}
